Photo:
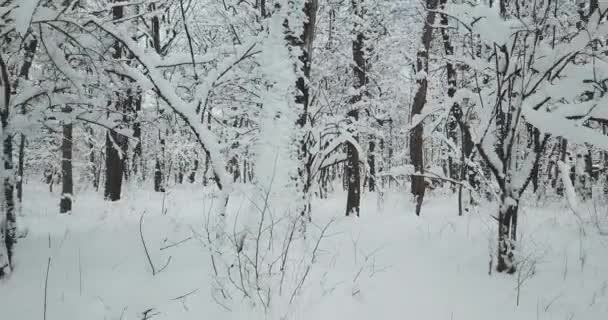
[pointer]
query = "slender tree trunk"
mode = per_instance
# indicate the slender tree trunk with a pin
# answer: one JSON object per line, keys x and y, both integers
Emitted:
{"x": 67, "y": 189}
{"x": 92, "y": 159}
{"x": 534, "y": 136}
{"x": 159, "y": 166}
{"x": 371, "y": 160}
{"x": 136, "y": 163}
{"x": 418, "y": 184}
{"x": 8, "y": 221}
{"x": 30, "y": 51}
{"x": 192, "y": 175}
{"x": 452, "y": 124}
{"x": 604, "y": 170}
{"x": 563, "y": 149}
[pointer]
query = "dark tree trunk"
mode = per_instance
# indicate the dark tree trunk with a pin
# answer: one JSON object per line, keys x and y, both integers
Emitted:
{"x": 353, "y": 174}
{"x": 534, "y": 135}
{"x": 588, "y": 184}
{"x": 8, "y": 223}
{"x": 136, "y": 163}
{"x": 30, "y": 51}
{"x": 304, "y": 41}
{"x": 371, "y": 160}
{"x": 159, "y": 166}
{"x": 354, "y": 181}
{"x": 180, "y": 175}
{"x": 10, "y": 235}
{"x": 192, "y": 175}
{"x": 563, "y": 150}
{"x": 92, "y": 159}
{"x": 418, "y": 184}
{"x": 67, "y": 189}
{"x": 20, "y": 168}
{"x": 114, "y": 167}
{"x": 507, "y": 235}
{"x": 604, "y": 171}
{"x": 115, "y": 143}
{"x": 452, "y": 124}
{"x": 158, "y": 178}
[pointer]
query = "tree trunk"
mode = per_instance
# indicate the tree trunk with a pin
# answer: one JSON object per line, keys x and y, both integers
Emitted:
{"x": 563, "y": 150}
{"x": 30, "y": 51}
{"x": 371, "y": 160}
{"x": 353, "y": 173}
{"x": 418, "y": 184}
{"x": 159, "y": 166}
{"x": 304, "y": 41}
{"x": 136, "y": 162}
{"x": 115, "y": 142}
{"x": 8, "y": 221}
{"x": 507, "y": 234}
{"x": 92, "y": 159}
{"x": 192, "y": 175}
{"x": 67, "y": 190}
{"x": 114, "y": 167}
{"x": 452, "y": 125}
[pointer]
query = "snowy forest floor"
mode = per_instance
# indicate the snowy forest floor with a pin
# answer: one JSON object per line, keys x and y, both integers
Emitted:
{"x": 387, "y": 264}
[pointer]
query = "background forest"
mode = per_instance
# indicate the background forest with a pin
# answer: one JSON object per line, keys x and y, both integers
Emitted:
{"x": 304, "y": 159}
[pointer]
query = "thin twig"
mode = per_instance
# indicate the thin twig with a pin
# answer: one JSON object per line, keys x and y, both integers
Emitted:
{"x": 176, "y": 244}
{"x": 46, "y": 285}
{"x": 143, "y": 242}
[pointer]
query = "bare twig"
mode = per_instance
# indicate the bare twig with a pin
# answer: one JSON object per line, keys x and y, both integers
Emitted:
{"x": 46, "y": 285}
{"x": 143, "y": 242}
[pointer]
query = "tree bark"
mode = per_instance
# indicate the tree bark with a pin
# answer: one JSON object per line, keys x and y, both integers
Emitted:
{"x": 93, "y": 162}
{"x": 304, "y": 42}
{"x": 8, "y": 222}
{"x": 30, "y": 51}
{"x": 353, "y": 172}
{"x": 192, "y": 175}
{"x": 371, "y": 161}
{"x": 418, "y": 183}
{"x": 115, "y": 143}
{"x": 452, "y": 124}
{"x": 136, "y": 162}
{"x": 67, "y": 189}
{"x": 507, "y": 234}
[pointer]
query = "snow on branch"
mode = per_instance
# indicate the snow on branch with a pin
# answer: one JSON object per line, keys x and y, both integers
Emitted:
{"x": 184, "y": 109}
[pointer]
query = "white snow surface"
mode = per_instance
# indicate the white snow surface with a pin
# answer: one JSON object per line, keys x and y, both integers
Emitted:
{"x": 387, "y": 264}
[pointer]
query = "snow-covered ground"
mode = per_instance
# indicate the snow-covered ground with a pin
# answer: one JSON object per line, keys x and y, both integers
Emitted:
{"x": 388, "y": 264}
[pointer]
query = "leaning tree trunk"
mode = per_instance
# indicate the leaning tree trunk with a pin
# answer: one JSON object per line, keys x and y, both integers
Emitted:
{"x": 67, "y": 189}
{"x": 418, "y": 184}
